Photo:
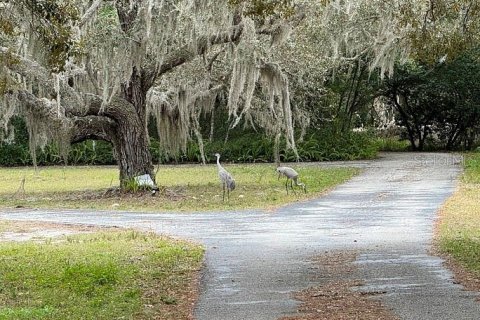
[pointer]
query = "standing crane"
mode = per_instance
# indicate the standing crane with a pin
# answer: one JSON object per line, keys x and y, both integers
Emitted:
{"x": 226, "y": 178}
{"x": 291, "y": 175}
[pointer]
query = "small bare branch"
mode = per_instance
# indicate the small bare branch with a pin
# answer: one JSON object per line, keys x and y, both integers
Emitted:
{"x": 89, "y": 13}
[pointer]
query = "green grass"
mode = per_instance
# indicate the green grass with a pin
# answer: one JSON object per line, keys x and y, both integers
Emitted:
{"x": 106, "y": 275}
{"x": 392, "y": 144}
{"x": 182, "y": 188}
{"x": 459, "y": 229}
{"x": 57, "y": 179}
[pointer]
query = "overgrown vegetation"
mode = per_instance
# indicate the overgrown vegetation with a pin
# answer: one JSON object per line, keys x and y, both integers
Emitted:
{"x": 243, "y": 146}
{"x": 392, "y": 144}
{"x": 182, "y": 188}
{"x": 106, "y": 275}
{"x": 459, "y": 231}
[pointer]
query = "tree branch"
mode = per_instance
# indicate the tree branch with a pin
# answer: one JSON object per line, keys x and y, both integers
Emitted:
{"x": 127, "y": 13}
{"x": 210, "y": 63}
{"x": 93, "y": 127}
{"x": 23, "y": 66}
{"x": 117, "y": 110}
{"x": 72, "y": 103}
{"x": 89, "y": 13}
{"x": 40, "y": 106}
{"x": 188, "y": 53}
{"x": 85, "y": 127}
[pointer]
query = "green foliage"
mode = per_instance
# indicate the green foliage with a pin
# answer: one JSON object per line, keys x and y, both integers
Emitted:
{"x": 392, "y": 144}
{"x": 85, "y": 153}
{"x": 243, "y": 146}
{"x": 442, "y": 101}
{"x": 91, "y": 152}
{"x": 16, "y": 153}
{"x": 329, "y": 144}
{"x": 448, "y": 27}
{"x": 320, "y": 145}
{"x": 349, "y": 93}
{"x": 54, "y": 29}
{"x": 472, "y": 168}
{"x": 250, "y": 147}
{"x": 130, "y": 185}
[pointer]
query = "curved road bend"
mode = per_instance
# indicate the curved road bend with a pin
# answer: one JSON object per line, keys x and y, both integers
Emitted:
{"x": 255, "y": 260}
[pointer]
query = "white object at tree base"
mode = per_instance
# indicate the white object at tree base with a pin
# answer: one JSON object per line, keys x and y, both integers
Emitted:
{"x": 145, "y": 181}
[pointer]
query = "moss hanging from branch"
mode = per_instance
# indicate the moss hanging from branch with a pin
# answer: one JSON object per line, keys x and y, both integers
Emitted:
{"x": 177, "y": 116}
{"x": 156, "y": 46}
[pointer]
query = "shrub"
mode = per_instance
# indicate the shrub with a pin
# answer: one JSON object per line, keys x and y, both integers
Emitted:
{"x": 245, "y": 146}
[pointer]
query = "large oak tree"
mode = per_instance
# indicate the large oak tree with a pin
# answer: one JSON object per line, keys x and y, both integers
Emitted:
{"x": 93, "y": 69}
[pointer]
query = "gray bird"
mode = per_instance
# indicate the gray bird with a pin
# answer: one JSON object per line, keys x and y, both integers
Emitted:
{"x": 225, "y": 177}
{"x": 291, "y": 175}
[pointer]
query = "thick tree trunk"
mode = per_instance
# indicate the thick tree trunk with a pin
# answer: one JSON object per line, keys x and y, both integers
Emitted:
{"x": 403, "y": 115}
{"x": 120, "y": 125}
{"x": 131, "y": 143}
{"x": 132, "y": 153}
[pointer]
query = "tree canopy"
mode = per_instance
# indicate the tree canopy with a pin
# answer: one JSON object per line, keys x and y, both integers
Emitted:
{"x": 97, "y": 69}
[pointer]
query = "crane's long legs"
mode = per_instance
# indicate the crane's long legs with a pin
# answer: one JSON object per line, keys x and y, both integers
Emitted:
{"x": 223, "y": 192}
{"x": 296, "y": 183}
{"x": 291, "y": 186}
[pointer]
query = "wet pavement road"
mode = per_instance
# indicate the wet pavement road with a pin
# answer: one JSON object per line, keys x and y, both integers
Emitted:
{"x": 255, "y": 260}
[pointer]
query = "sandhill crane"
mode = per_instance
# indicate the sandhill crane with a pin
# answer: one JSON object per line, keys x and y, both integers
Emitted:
{"x": 225, "y": 177}
{"x": 291, "y": 175}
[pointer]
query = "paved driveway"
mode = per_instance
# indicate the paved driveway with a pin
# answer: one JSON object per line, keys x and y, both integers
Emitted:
{"x": 255, "y": 260}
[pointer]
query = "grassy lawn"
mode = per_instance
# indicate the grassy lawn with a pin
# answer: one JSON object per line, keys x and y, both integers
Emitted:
{"x": 182, "y": 188}
{"x": 101, "y": 275}
{"x": 459, "y": 229}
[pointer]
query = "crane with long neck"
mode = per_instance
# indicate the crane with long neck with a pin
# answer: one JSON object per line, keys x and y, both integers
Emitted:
{"x": 228, "y": 183}
{"x": 291, "y": 176}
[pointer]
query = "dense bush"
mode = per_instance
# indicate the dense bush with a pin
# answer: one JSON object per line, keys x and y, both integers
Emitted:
{"x": 322, "y": 145}
{"x": 242, "y": 146}
{"x": 15, "y": 153}
{"x": 329, "y": 145}
{"x": 12, "y": 154}
{"x": 88, "y": 152}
